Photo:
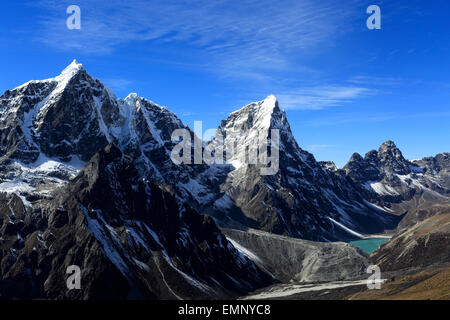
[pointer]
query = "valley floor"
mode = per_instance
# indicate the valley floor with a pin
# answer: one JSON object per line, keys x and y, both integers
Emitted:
{"x": 429, "y": 284}
{"x": 304, "y": 291}
{"x": 426, "y": 284}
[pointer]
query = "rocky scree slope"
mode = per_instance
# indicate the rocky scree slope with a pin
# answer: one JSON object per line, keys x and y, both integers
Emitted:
{"x": 300, "y": 261}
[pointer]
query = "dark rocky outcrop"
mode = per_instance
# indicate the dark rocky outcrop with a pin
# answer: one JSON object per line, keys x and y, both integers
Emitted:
{"x": 400, "y": 186}
{"x": 130, "y": 237}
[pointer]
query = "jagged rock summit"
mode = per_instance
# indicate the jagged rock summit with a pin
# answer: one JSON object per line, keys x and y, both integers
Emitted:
{"x": 50, "y": 128}
{"x": 400, "y": 185}
{"x": 130, "y": 238}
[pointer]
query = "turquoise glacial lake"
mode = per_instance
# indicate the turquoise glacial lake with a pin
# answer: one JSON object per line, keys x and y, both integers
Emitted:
{"x": 369, "y": 245}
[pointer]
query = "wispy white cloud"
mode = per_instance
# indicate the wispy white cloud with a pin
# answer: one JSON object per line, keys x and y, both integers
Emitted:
{"x": 245, "y": 38}
{"x": 118, "y": 83}
{"x": 318, "y": 147}
{"x": 316, "y": 98}
{"x": 184, "y": 113}
{"x": 376, "y": 81}
{"x": 259, "y": 40}
{"x": 371, "y": 118}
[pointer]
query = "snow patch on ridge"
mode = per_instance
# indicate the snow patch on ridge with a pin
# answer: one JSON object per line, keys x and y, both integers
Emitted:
{"x": 246, "y": 252}
{"x": 29, "y": 175}
{"x": 381, "y": 188}
{"x": 346, "y": 229}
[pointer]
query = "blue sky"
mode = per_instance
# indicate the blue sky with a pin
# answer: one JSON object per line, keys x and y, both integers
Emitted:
{"x": 345, "y": 88}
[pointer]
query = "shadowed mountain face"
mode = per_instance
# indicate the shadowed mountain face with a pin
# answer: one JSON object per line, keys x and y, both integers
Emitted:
{"x": 59, "y": 117}
{"x": 50, "y": 128}
{"x": 304, "y": 198}
{"x": 385, "y": 163}
{"x": 115, "y": 225}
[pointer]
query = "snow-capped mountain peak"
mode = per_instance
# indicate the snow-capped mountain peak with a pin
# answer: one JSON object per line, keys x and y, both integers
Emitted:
{"x": 257, "y": 114}
{"x": 72, "y": 69}
{"x": 132, "y": 96}
{"x": 268, "y": 105}
{"x": 62, "y": 79}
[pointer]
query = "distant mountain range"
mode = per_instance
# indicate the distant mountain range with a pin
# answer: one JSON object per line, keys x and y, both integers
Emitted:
{"x": 88, "y": 180}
